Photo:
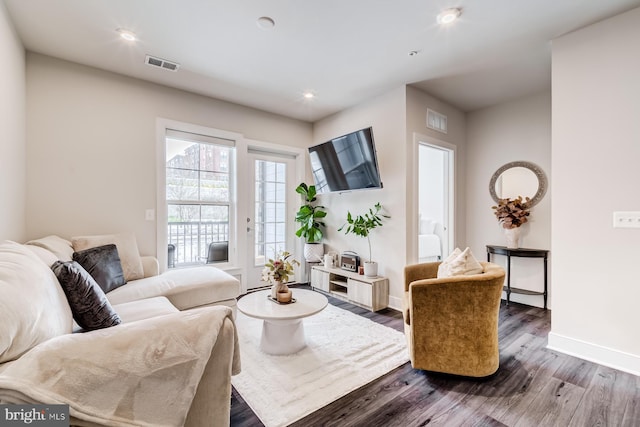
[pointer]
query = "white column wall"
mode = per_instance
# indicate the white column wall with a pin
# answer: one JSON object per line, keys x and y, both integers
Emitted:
{"x": 596, "y": 149}
{"x": 13, "y": 162}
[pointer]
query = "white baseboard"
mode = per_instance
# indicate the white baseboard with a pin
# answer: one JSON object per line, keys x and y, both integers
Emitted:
{"x": 595, "y": 353}
{"x": 395, "y": 303}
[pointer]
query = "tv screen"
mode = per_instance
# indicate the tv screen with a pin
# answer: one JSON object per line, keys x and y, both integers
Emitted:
{"x": 346, "y": 163}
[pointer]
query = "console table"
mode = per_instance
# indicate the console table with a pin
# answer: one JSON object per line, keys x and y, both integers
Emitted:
{"x": 522, "y": 253}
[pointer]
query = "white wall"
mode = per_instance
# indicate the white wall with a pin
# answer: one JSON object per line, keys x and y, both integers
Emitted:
{"x": 516, "y": 130}
{"x": 596, "y": 150}
{"x": 13, "y": 166}
{"x": 386, "y": 114}
{"x": 92, "y": 145}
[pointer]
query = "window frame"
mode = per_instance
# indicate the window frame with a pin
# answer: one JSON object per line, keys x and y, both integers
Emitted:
{"x": 165, "y": 127}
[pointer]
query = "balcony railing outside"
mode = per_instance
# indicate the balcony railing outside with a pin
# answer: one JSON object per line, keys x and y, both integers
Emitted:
{"x": 192, "y": 239}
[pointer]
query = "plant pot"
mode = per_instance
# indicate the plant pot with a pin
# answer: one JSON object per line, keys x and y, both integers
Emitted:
{"x": 371, "y": 269}
{"x": 313, "y": 252}
{"x": 513, "y": 237}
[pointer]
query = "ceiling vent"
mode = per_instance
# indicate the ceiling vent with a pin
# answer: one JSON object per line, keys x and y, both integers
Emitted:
{"x": 161, "y": 63}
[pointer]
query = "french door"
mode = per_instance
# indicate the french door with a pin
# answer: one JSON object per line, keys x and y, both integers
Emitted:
{"x": 270, "y": 228}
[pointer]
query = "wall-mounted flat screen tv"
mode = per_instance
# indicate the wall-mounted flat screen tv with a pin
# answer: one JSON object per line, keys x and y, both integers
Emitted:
{"x": 346, "y": 163}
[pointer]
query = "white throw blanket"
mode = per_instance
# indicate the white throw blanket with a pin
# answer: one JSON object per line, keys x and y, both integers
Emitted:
{"x": 142, "y": 373}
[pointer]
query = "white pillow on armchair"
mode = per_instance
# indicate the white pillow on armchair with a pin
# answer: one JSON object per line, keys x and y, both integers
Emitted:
{"x": 459, "y": 263}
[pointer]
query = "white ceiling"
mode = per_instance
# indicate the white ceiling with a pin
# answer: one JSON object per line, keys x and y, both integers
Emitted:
{"x": 346, "y": 51}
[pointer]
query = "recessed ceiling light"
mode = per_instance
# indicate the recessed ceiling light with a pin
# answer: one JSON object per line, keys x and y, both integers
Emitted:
{"x": 414, "y": 52}
{"x": 448, "y": 16}
{"x": 309, "y": 95}
{"x": 129, "y": 36}
{"x": 265, "y": 23}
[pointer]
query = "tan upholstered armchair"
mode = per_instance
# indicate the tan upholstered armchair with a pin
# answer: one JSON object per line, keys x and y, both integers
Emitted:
{"x": 451, "y": 323}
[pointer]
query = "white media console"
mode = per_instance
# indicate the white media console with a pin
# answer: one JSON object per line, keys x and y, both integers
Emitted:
{"x": 369, "y": 292}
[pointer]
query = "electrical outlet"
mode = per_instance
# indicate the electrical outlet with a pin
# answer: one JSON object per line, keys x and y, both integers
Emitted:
{"x": 150, "y": 214}
{"x": 626, "y": 220}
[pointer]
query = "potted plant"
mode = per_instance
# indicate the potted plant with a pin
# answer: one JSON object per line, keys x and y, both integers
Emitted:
{"x": 511, "y": 215}
{"x": 362, "y": 225}
{"x": 310, "y": 216}
{"x": 277, "y": 272}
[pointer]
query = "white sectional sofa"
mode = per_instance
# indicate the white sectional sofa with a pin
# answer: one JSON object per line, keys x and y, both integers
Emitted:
{"x": 169, "y": 362}
{"x": 185, "y": 288}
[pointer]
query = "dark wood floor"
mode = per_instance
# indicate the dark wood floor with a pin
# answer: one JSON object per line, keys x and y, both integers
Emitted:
{"x": 534, "y": 386}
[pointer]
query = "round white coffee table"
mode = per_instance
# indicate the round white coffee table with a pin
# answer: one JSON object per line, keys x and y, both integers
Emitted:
{"x": 282, "y": 327}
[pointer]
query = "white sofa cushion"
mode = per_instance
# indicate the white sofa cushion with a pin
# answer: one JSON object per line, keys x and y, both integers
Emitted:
{"x": 58, "y": 246}
{"x": 33, "y": 307}
{"x": 184, "y": 287}
{"x": 127, "y": 250}
{"x": 144, "y": 309}
{"x": 45, "y": 255}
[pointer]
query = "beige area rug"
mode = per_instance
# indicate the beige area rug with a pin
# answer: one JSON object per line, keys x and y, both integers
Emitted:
{"x": 344, "y": 352}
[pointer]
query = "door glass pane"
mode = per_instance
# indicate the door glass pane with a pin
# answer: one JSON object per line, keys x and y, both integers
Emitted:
{"x": 270, "y": 206}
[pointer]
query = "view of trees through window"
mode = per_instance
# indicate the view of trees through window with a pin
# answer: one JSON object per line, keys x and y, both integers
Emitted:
{"x": 198, "y": 195}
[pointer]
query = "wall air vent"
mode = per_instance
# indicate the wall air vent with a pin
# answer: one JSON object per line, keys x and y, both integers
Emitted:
{"x": 436, "y": 121}
{"x": 161, "y": 63}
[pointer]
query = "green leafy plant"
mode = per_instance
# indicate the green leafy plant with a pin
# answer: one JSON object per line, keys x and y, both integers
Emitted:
{"x": 362, "y": 225}
{"x": 309, "y": 215}
{"x": 279, "y": 269}
{"x": 512, "y": 213}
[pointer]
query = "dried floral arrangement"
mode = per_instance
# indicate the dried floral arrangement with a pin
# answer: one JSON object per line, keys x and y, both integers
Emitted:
{"x": 279, "y": 269}
{"x": 512, "y": 213}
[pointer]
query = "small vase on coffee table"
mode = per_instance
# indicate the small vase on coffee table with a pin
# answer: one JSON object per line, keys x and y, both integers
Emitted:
{"x": 278, "y": 287}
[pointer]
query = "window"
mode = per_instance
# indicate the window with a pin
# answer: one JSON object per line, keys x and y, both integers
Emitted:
{"x": 199, "y": 194}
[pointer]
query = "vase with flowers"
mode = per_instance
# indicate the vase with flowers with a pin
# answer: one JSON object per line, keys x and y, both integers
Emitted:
{"x": 511, "y": 215}
{"x": 277, "y": 272}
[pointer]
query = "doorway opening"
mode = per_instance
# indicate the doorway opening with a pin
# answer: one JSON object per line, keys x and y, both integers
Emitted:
{"x": 435, "y": 200}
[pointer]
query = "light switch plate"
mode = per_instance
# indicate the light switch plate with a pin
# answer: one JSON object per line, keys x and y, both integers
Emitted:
{"x": 150, "y": 214}
{"x": 626, "y": 220}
